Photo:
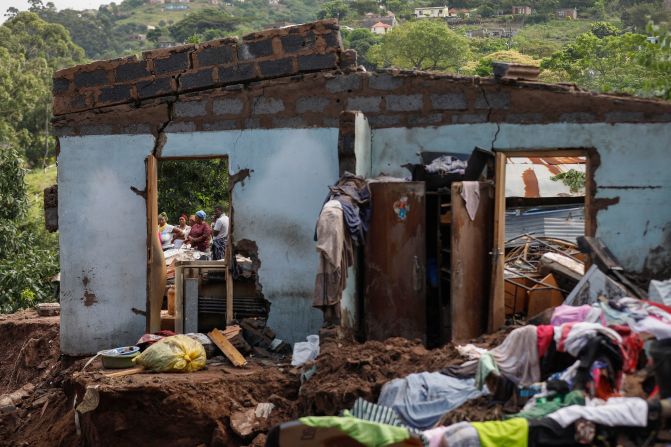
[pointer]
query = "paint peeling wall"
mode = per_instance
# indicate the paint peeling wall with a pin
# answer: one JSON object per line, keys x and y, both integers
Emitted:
{"x": 103, "y": 235}
{"x": 277, "y": 207}
{"x": 633, "y": 172}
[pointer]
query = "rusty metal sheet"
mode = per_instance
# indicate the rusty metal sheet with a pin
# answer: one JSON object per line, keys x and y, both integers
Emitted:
{"x": 471, "y": 263}
{"x": 395, "y": 289}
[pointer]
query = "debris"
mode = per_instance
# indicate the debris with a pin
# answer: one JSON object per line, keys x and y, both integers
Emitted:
{"x": 90, "y": 401}
{"x": 227, "y": 348}
{"x": 245, "y": 423}
{"x": 594, "y": 284}
{"x": 305, "y": 351}
{"x": 544, "y": 296}
{"x": 263, "y": 410}
{"x": 119, "y": 358}
{"x": 258, "y": 334}
{"x": 660, "y": 292}
{"x": 48, "y": 309}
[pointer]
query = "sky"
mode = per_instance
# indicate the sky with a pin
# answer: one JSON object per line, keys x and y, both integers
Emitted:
{"x": 22, "y": 5}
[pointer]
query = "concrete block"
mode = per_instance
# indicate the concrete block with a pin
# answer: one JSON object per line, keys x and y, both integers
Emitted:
{"x": 197, "y": 79}
{"x": 524, "y": 118}
{"x": 190, "y": 109}
{"x": 344, "y": 83}
{"x": 267, "y": 105}
{"x": 311, "y": 104}
{"x": 190, "y": 305}
{"x": 292, "y": 122}
{"x": 221, "y": 125}
{"x": 577, "y": 117}
{"x": 155, "y": 87}
{"x": 180, "y": 126}
{"x": 404, "y": 103}
{"x": 449, "y": 101}
{"x": 624, "y": 117}
{"x": 215, "y": 55}
{"x": 424, "y": 120}
{"x": 252, "y": 50}
{"x": 364, "y": 103}
{"x": 173, "y": 63}
{"x": 469, "y": 118}
{"x": 311, "y": 62}
{"x": 91, "y": 78}
{"x": 298, "y": 42}
{"x": 384, "y": 120}
{"x": 384, "y": 82}
{"x": 131, "y": 71}
{"x": 276, "y": 67}
{"x": 115, "y": 94}
{"x": 60, "y": 85}
{"x": 492, "y": 100}
{"x": 227, "y": 106}
{"x": 238, "y": 73}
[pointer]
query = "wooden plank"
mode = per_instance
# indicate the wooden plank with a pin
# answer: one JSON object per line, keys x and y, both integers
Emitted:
{"x": 156, "y": 270}
{"x": 497, "y": 304}
{"x": 126, "y": 372}
{"x": 471, "y": 271}
{"x": 232, "y": 354}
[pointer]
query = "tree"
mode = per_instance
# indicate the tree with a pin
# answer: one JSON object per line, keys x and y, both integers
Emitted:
{"x": 334, "y": 9}
{"x": 484, "y": 67}
{"x": 155, "y": 35}
{"x": 603, "y": 29}
{"x": 421, "y": 45}
{"x": 636, "y": 17}
{"x": 201, "y": 21}
{"x": 609, "y": 64}
{"x": 361, "y": 40}
{"x": 184, "y": 187}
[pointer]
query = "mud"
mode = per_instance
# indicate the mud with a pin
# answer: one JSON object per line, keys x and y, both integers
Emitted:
{"x": 210, "y": 407}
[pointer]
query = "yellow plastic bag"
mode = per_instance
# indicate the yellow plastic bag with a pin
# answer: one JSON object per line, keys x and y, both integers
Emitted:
{"x": 177, "y": 353}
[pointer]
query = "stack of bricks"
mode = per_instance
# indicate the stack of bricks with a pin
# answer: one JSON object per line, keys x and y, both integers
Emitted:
{"x": 264, "y": 55}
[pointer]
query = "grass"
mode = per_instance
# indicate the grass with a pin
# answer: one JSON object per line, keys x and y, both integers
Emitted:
{"x": 36, "y": 180}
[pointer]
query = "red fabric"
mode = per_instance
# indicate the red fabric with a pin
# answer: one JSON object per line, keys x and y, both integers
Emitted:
{"x": 544, "y": 334}
{"x": 198, "y": 230}
{"x": 631, "y": 349}
{"x": 661, "y": 306}
{"x": 565, "y": 329}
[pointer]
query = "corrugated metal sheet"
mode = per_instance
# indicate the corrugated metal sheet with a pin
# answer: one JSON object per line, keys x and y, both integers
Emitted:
{"x": 562, "y": 223}
{"x": 532, "y": 177}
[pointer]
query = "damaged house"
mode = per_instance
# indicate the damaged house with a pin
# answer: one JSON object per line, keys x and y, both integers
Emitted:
{"x": 291, "y": 111}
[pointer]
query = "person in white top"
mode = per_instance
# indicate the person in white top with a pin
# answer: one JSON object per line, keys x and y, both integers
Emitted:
{"x": 180, "y": 236}
{"x": 219, "y": 233}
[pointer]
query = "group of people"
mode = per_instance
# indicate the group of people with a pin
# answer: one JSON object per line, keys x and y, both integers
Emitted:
{"x": 196, "y": 232}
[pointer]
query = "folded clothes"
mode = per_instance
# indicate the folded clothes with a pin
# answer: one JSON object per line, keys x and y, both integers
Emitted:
{"x": 370, "y": 434}
{"x": 574, "y": 314}
{"x": 542, "y": 406}
{"x": 421, "y": 399}
{"x": 617, "y": 411}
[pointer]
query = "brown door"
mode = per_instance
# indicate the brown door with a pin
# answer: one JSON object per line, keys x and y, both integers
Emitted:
{"x": 394, "y": 298}
{"x": 471, "y": 265}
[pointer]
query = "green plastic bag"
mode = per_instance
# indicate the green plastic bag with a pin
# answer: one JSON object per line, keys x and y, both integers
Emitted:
{"x": 177, "y": 353}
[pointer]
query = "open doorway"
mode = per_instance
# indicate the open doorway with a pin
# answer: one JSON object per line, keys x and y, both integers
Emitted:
{"x": 196, "y": 279}
{"x": 542, "y": 207}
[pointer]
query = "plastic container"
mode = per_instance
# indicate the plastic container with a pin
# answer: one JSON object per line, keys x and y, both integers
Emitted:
{"x": 118, "y": 358}
{"x": 660, "y": 351}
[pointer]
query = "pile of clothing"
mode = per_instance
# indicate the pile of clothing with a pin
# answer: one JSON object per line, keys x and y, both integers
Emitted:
{"x": 343, "y": 221}
{"x": 447, "y": 164}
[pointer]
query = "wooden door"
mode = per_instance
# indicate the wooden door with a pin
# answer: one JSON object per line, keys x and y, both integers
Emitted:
{"x": 395, "y": 289}
{"x": 471, "y": 266}
{"x": 155, "y": 260}
{"x": 497, "y": 308}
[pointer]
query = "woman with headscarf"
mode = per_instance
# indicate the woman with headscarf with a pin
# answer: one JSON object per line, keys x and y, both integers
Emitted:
{"x": 199, "y": 236}
{"x": 181, "y": 232}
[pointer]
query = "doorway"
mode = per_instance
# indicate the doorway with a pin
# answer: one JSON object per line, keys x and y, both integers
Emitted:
{"x": 542, "y": 205}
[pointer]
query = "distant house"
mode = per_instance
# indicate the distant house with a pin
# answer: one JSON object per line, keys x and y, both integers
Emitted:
{"x": 459, "y": 12}
{"x": 372, "y": 19}
{"x": 175, "y": 7}
{"x": 567, "y": 13}
{"x": 213, "y": 2}
{"x": 273, "y": 2}
{"x": 380, "y": 28}
{"x": 137, "y": 37}
{"x": 432, "y": 12}
{"x": 156, "y": 2}
{"x": 521, "y": 10}
{"x": 167, "y": 44}
{"x": 151, "y": 27}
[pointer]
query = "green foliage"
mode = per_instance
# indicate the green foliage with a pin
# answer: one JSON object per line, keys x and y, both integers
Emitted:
{"x": 334, "y": 9}
{"x": 659, "y": 61}
{"x": 572, "y": 178}
{"x": 603, "y": 29}
{"x": 28, "y": 255}
{"x": 184, "y": 187}
{"x": 610, "y": 64}
{"x": 637, "y": 16}
{"x": 201, "y": 21}
{"x": 484, "y": 67}
{"x": 421, "y": 45}
{"x": 361, "y": 40}
{"x": 543, "y": 40}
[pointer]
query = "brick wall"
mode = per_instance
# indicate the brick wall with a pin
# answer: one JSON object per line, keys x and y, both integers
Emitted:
{"x": 388, "y": 99}
{"x": 263, "y": 55}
